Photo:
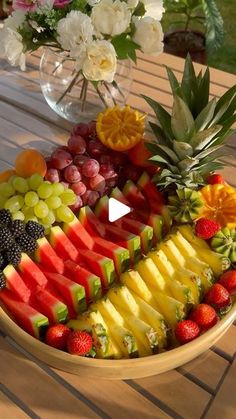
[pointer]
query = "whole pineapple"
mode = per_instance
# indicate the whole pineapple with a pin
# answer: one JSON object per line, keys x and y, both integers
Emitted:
{"x": 189, "y": 140}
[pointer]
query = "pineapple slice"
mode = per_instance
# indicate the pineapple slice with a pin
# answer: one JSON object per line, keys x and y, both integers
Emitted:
{"x": 172, "y": 309}
{"x": 121, "y": 297}
{"x": 183, "y": 245}
{"x": 172, "y": 253}
{"x": 155, "y": 319}
{"x": 135, "y": 283}
{"x": 151, "y": 275}
{"x": 115, "y": 322}
{"x": 192, "y": 281}
{"x": 162, "y": 263}
{"x": 144, "y": 333}
{"x": 188, "y": 232}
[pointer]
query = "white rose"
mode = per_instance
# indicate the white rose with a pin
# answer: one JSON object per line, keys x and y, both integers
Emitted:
{"x": 74, "y": 32}
{"x": 154, "y": 8}
{"x": 92, "y": 2}
{"x": 111, "y": 18}
{"x": 11, "y": 47}
{"x": 149, "y": 35}
{"x": 100, "y": 62}
{"x": 132, "y": 4}
{"x": 15, "y": 21}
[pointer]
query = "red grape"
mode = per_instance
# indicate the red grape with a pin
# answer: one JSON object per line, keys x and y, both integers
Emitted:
{"x": 76, "y": 144}
{"x": 96, "y": 148}
{"x": 131, "y": 172}
{"x": 92, "y": 128}
{"x": 112, "y": 181}
{"x": 81, "y": 129}
{"x": 61, "y": 159}
{"x": 106, "y": 159}
{"x": 52, "y": 175}
{"x": 79, "y": 188}
{"x": 107, "y": 171}
{"x": 90, "y": 198}
{"x": 98, "y": 184}
{"x": 119, "y": 159}
{"x": 90, "y": 168}
{"x": 77, "y": 205}
{"x": 72, "y": 174}
{"x": 79, "y": 160}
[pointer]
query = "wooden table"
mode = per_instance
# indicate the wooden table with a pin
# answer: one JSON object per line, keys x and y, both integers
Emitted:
{"x": 28, "y": 388}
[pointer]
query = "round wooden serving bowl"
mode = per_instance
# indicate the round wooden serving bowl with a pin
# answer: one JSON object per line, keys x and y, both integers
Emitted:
{"x": 116, "y": 369}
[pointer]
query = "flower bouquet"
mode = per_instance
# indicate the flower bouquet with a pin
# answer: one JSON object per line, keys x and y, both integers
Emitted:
{"x": 85, "y": 41}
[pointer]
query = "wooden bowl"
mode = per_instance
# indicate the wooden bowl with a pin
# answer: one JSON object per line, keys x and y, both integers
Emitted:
{"x": 116, "y": 369}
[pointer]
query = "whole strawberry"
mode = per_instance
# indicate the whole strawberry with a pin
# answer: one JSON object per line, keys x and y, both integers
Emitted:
{"x": 57, "y": 336}
{"x": 186, "y": 331}
{"x": 218, "y": 297}
{"x": 79, "y": 343}
{"x": 206, "y": 228}
{"x": 215, "y": 179}
{"x": 204, "y": 315}
{"x": 228, "y": 280}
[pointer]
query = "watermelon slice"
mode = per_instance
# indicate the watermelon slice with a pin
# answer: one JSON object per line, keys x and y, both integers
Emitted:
{"x": 74, "y": 294}
{"x": 15, "y": 283}
{"x": 91, "y": 223}
{"x": 140, "y": 214}
{"x": 78, "y": 235}
{"x": 117, "y": 194}
{"x": 101, "y": 209}
{"x": 155, "y": 198}
{"x": 46, "y": 255}
{"x": 31, "y": 320}
{"x": 133, "y": 194}
{"x": 31, "y": 273}
{"x": 118, "y": 254}
{"x": 91, "y": 282}
{"x": 156, "y": 222}
{"x": 144, "y": 231}
{"x": 100, "y": 265}
{"x": 62, "y": 244}
{"x": 55, "y": 310}
{"x": 125, "y": 239}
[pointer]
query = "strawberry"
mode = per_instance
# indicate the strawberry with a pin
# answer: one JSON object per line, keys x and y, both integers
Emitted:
{"x": 186, "y": 331}
{"x": 214, "y": 179}
{"x": 79, "y": 343}
{"x": 204, "y": 315}
{"x": 218, "y": 297}
{"x": 57, "y": 336}
{"x": 228, "y": 280}
{"x": 206, "y": 228}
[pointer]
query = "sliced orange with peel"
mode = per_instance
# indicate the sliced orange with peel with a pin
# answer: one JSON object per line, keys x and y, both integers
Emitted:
{"x": 219, "y": 204}
{"x": 120, "y": 129}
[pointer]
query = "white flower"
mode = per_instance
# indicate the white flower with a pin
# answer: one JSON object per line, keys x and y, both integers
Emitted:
{"x": 111, "y": 18}
{"x": 16, "y": 20}
{"x": 132, "y": 4}
{"x": 149, "y": 35}
{"x": 92, "y": 2}
{"x": 100, "y": 62}
{"x": 75, "y": 31}
{"x": 11, "y": 47}
{"x": 154, "y": 8}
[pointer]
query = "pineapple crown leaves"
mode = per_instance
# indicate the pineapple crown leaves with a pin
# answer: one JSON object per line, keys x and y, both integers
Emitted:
{"x": 189, "y": 139}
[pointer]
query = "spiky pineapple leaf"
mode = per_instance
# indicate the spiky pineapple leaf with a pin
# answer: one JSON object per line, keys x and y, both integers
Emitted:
{"x": 214, "y": 25}
{"x": 159, "y": 134}
{"x": 206, "y": 153}
{"x": 175, "y": 86}
{"x": 189, "y": 81}
{"x": 200, "y": 140}
{"x": 169, "y": 153}
{"x": 223, "y": 105}
{"x": 205, "y": 116}
{"x": 182, "y": 122}
{"x": 202, "y": 94}
{"x": 162, "y": 115}
{"x": 182, "y": 149}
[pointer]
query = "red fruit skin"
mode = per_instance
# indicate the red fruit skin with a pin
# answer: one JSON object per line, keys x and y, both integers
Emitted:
{"x": 205, "y": 316}
{"x": 215, "y": 179}
{"x": 186, "y": 331}
{"x": 206, "y": 228}
{"x": 57, "y": 336}
{"x": 140, "y": 154}
{"x": 79, "y": 343}
{"x": 228, "y": 280}
{"x": 218, "y": 297}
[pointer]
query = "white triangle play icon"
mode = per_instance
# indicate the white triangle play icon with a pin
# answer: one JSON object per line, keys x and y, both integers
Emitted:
{"x": 117, "y": 209}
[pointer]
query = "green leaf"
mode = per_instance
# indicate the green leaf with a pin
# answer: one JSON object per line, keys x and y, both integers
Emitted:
{"x": 140, "y": 10}
{"x": 207, "y": 152}
{"x": 223, "y": 105}
{"x": 171, "y": 154}
{"x": 158, "y": 132}
{"x": 189, "y": 81}
{"x": 205, "y": 116}
{"x": 175, "y": 86}
{"x": 182, "y": 149}
{"x": 214, "y": 25}
{"x": 202, "y": 138}
{"x": 182, "y": 122}
{"x": 202, "y": 94}
{"x": 125, "y": 47}
{"x": 188, "y": 163}
{"x": 162, "y": 115}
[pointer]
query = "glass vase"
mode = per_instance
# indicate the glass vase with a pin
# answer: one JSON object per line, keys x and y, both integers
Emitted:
{"x": 74, "y": 98}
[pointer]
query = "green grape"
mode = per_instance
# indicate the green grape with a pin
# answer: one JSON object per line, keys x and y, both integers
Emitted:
{"x": 18, "y": 216}
{"x": 20, "y": 184}
{"x": 68, "y": 197}
{"x": 53, "y": 202}
{"x": 28, "y": 211}
{"x": 34, "y": 181}
{"x": 6, "y": 190}
{"x": 31, "y": 199}
{"x": 64, "y": 214}
{"x": 47, "y": 228}
{"x": 31, "y": 218}
{"x": 15, "y": 203}
{"x": 41, "y": 209}
{"x": 45, "y": 190}
{"x": 11, "y": 180}
{"x": 2, "y": 201}
{"x": 49, "y": 219}
{"x": 58, "y": 188}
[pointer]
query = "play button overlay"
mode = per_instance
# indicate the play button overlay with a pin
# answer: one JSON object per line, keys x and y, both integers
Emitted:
{"x": 117, "y": 210}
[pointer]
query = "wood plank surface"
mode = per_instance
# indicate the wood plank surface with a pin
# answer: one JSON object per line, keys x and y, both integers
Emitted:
{"x": 9, "y": 410}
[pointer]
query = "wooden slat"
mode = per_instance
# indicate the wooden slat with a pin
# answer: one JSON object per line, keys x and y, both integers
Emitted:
{"x": 227, "y": 344}
{"x": 9, "y": 410}
{"x": 37, "y": 389}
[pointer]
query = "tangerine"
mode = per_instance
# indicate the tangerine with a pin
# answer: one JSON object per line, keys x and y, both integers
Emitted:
{"x": 30, "y": 161}
{"x": 4, "y": 176}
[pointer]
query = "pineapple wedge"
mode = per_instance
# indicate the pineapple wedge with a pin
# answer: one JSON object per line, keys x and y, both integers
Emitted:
{"x": 121, "y": 297}
{"x": 172, "y": 309}
{"x": 151, "y": 275}
{"x": 183, "y": 245}
{"x": 144, "y": 333}
{"x": 188, "y": 232}
{"x": 172, "y": 253}
{"x": 192, "y": 281}
{"x": 115, "y": 322}
{"x": 162, "y": 263}
{"x": 132, "y": 280}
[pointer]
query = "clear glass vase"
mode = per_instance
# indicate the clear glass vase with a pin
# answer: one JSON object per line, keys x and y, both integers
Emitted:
{"x": 71, "y": 96}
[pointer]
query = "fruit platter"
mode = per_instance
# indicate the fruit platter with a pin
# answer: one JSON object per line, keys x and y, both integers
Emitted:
{"x": 148, "y": 291}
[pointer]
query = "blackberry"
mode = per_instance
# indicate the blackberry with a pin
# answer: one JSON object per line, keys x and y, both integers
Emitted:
{"x": 34, "y": 229}
{"x": 5, "y": 217}
{"x": 17, "y": 228}
{"x": 2, "y": 261}
{"x": 26, "y": 243}
{"x": 2, "y": 280}
{"x": 13, "y": 254}
{"x": 6, "y": 238}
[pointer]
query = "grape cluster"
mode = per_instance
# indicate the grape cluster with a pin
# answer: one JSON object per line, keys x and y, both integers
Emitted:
{"x": 88, "y": 167}
{"x": 16, "y": 237}
{"x": 37, "y": 200}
